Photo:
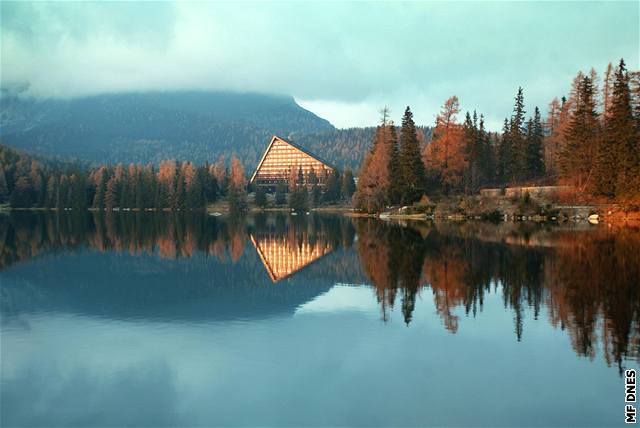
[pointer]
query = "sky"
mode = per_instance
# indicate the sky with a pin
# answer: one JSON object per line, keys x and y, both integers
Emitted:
{"x": 343, "y": 61}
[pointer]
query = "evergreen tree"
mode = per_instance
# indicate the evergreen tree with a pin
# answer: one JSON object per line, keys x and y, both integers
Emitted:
{"x": 261, "y": 197}
{"x": 621, "y": 140}
{"x": 332, "y": 187}
{"x": 517, "y": 139}
{"x": 348, "y": 185}
{"x": 505, "y": 155}
{"x": 576, "y": 156}
{"x": 535, "y": 136}
{"x": 487, "y": 156}
{"x": 316, "y": 193}
{"x": 413, "y": 174}
{"x": 396, "y": 185}
{"x": 281, "y": 195}
{"x": 473, "y": 152}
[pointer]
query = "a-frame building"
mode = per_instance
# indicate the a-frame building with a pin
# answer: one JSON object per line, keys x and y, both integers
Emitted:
{"x": 281, "y": 158}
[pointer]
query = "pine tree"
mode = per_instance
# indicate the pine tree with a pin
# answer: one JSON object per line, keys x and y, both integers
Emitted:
{"x": 411, "y": 165}
{"x": 396, "y": 185}
{"x": 505, "y": 155}
{"x": 619, "y": 155}
{"x": 348, "y": 185}
{"x": 535, "y": 136}
{"x": 316, "y": 193}
{"x": 261, "y": 197}
{"x": 517, "y": 138}
{"x": 332, "y": 187}
{"x": 576, "y": 157}
{"x": 281, "y": 194}
{"x": 473, "y": 154}
{"x": 554, "y": 132}
{"x": 487, "y": 156}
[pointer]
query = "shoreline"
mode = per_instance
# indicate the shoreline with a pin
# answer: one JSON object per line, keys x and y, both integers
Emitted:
{"x": 619, "y": 217}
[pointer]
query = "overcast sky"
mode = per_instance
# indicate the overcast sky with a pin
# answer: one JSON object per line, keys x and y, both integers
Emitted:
{"x": 342, "y": 61}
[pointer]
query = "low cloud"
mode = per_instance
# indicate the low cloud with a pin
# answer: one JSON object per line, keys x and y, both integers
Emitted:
{"x": 354, "y": 55}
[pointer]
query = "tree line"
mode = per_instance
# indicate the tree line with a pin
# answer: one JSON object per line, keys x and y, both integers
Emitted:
{"x": 31, "y": 182}
{"x": 590, "y": 140}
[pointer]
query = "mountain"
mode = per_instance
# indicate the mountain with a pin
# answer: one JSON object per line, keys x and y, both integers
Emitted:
{"x": 148, "y": 127}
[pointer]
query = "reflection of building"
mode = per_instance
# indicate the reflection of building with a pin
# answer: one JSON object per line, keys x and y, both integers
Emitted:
{"x": 283, "y": 257}
{"x": 283, "y": 157}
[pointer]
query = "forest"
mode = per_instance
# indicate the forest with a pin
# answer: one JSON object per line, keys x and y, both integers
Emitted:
{"x": 33, "y": 182}
{"x": 589, "y": 140}
{"x": 27, "y": 181}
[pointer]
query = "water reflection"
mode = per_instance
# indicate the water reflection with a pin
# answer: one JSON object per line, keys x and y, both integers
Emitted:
{"x": 586, "y": 278}
{"x": 286, "y": 250}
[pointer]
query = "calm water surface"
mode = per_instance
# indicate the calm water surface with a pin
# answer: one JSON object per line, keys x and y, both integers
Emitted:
{"x": 154, "y": 319}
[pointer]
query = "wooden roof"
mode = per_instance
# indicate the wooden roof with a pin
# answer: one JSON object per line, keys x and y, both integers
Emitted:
{"x": 302, "y": 149}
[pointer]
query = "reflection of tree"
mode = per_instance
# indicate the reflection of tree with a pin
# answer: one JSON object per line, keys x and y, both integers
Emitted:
{"x": 391, "y": 256}
{"x": 165, "y": 234}
{"x": 587, "y": 279}
{"x": 597, "y": 277}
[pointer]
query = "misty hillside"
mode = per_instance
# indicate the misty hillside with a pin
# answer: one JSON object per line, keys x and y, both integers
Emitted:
{"x": 148, "y": 127}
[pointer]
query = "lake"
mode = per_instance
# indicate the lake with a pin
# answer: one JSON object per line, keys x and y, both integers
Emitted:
{"x": 160, "y": 319}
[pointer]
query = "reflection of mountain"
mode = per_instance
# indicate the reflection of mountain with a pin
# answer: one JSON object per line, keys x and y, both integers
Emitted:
{"x": 282, "y": 258}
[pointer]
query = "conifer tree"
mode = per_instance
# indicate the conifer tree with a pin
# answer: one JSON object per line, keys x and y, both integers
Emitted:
{"x": 576, "y": 157}
{"x": 619, "y": 154}
{"x": 396, "y": 185}
{"x": 316, "y": 193}
{"x": 412, "y": 169}
{"x": 487, "y": 156}
{"x": 517, "y": 138}
{"x": 261, "y": 197}
{"x": 332, "y": 187}
{"x": 281, "y": 194}
{"x": 348, "y": 185}
{"x": 505, "y": 155}
{"x": 535, "y": 136}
